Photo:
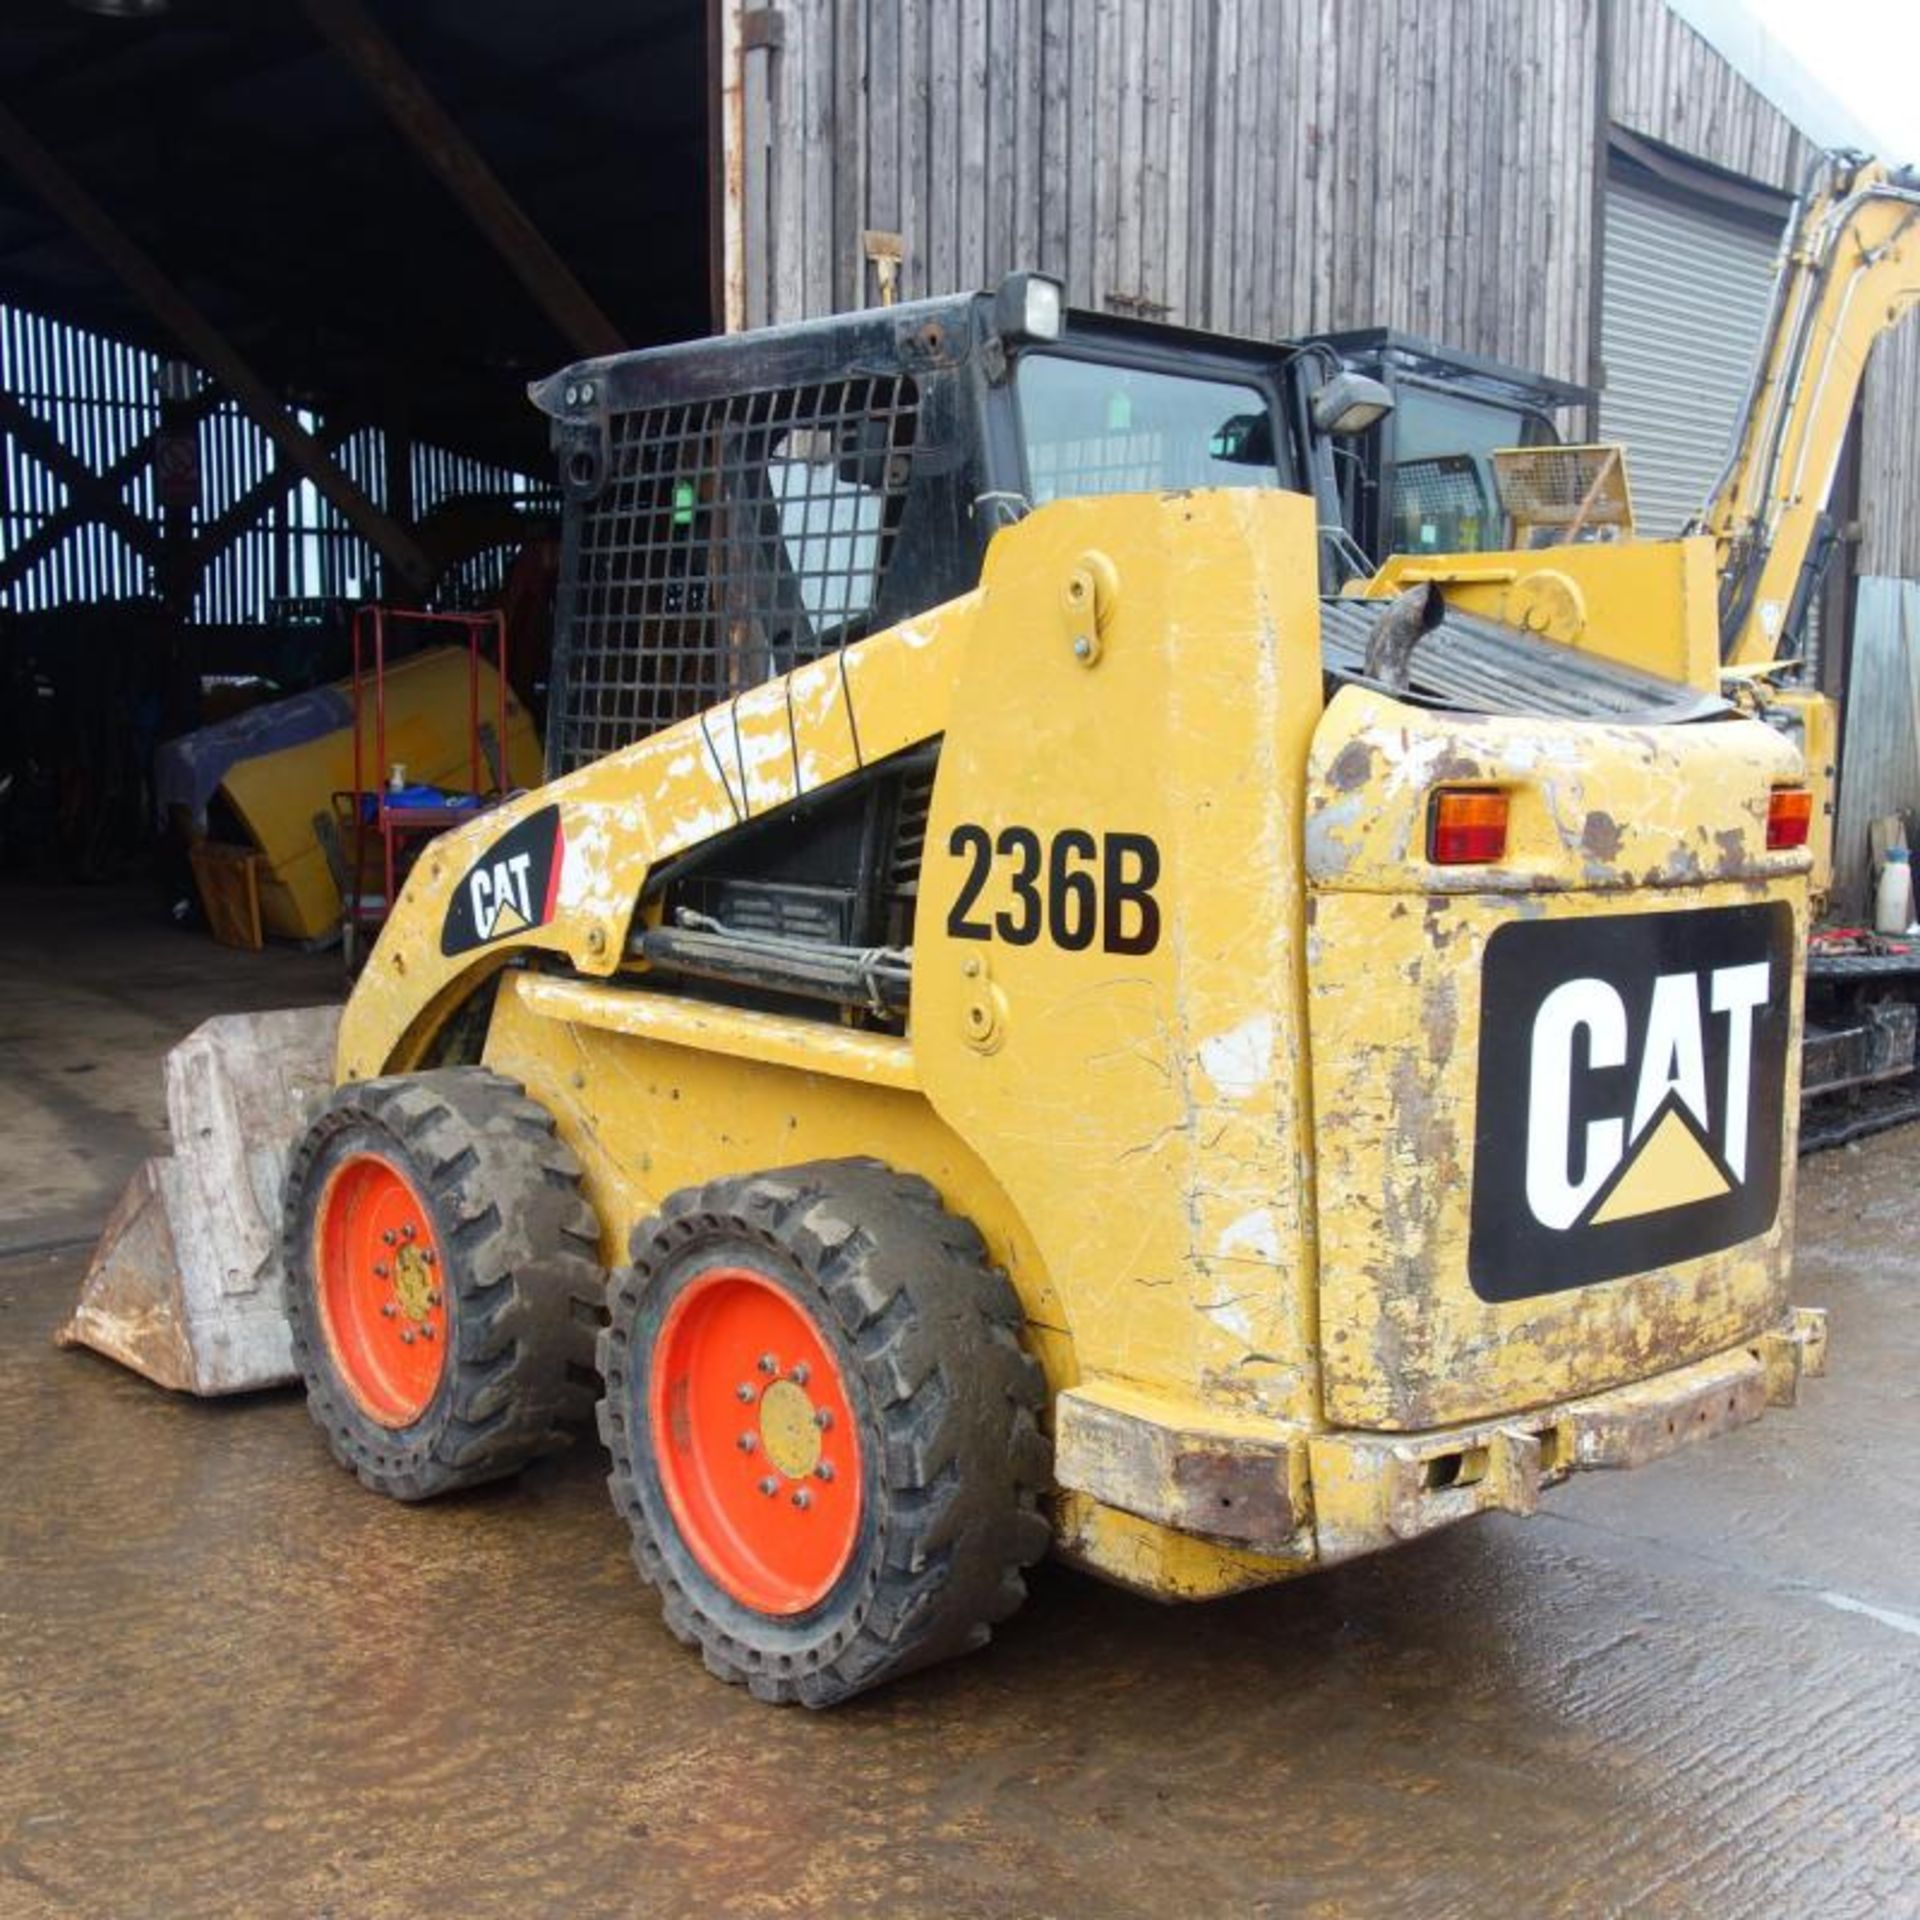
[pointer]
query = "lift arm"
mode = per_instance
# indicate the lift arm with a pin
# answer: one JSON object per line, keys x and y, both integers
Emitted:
{"x": 1849, "y": 270}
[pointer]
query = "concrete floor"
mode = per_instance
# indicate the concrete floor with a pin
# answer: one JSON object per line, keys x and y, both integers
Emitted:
{"x": 232, "y": 1682}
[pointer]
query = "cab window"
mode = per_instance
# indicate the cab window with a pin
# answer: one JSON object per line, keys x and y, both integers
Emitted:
{"x": 1444, "y": 497}
{"x": 1091, "y": 427}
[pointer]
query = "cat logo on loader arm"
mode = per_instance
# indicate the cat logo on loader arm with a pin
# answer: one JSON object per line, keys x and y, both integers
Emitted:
{"x": 1001, "y": 1056}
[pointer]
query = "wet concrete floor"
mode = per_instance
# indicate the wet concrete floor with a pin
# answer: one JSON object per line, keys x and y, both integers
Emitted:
{"x": 233, "y": 1682}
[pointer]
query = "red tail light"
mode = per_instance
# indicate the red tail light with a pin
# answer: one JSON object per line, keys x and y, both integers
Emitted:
{"x": 1789, "y": 818}
{"x": 1466, "y": 826}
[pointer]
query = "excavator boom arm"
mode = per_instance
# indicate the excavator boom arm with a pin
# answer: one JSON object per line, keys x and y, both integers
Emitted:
{"x": 1849, "y": 269}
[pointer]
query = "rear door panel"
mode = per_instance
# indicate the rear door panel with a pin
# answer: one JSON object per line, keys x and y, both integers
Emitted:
{"x": 1555, "y": 1100}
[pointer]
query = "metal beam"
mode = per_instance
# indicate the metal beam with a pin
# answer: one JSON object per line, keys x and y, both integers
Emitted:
{"x": 203, "y": 342}
{"x": 434, "y": 135}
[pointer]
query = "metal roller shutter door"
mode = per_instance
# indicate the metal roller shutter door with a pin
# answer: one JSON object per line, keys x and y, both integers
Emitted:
{"x": 1683, "y": 299}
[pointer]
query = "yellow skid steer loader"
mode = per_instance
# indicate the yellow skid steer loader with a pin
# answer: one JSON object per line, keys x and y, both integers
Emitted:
{"x": 1016, "y": 1019}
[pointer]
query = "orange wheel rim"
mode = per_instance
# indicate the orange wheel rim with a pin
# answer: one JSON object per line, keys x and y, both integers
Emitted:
{"x": 381, "y": 1289}
{"x": 755, "y": 1441}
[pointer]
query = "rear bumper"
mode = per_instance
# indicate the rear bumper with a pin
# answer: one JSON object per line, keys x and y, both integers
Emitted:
{"x": 1325, "y": 1497}
{"x": 1374, "y": 1490}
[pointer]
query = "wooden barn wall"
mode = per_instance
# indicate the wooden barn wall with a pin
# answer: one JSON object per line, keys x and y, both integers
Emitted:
{"x": 1257, "y": 166}
{"x": 1669, "y": 85}
{"x": 80, "y": 513}
{"x": 1263, "y": 167}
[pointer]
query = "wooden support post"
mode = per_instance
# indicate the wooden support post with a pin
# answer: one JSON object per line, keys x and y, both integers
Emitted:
{"x": 727, "y": 152}
{"x": 204, "y": 342}
{"x": 177, "y": 487}
{"x": 397, "y": 446}
{"x": 359, "y": 40}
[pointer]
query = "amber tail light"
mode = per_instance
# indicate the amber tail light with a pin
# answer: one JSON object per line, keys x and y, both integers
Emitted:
{"x": 1466, "y": 826}
{"x": 1789, "y": 818}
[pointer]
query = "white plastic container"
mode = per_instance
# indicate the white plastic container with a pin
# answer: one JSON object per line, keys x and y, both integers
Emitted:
{"x": 1893, "y": 898}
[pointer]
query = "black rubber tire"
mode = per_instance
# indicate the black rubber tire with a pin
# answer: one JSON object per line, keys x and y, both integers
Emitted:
{"x": 925, "y": 1331}
{"x": 523, "y": 1284}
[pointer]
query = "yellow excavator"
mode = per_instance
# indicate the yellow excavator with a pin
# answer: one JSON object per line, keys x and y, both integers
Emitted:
{"x": 1015, "y": 1020}
{"x": 1849, "y": 271}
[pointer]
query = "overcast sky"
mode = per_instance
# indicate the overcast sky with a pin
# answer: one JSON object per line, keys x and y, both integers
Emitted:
{"x": 1862, "y": 56}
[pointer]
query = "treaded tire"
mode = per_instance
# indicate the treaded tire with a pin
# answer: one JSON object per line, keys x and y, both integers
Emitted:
{"x": 952, "y": 1459}
{"x": 521, "y": 1282}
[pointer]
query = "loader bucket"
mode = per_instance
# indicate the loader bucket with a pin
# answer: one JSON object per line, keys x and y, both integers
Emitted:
{"x": 186, "y": 1285}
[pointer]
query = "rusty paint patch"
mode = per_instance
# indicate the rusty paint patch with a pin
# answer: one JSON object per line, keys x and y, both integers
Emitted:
{"x": 1600, "y": 838}
{"x": 1352, "y": 767}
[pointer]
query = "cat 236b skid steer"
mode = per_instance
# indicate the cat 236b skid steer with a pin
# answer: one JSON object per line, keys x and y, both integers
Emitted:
{"x": 1019, "y": 1019}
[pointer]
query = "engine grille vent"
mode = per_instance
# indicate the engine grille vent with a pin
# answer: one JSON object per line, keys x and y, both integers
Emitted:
{"x": 1474, "y": 665}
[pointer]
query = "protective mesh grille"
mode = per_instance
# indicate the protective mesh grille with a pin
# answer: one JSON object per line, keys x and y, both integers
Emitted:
{"x": 1583, "y": 489}
{"x": 731, "y": 541}
{"x": 1440, "y": 505}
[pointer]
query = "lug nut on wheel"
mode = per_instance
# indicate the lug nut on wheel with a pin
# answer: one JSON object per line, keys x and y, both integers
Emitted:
{"x": 803, "y": 1499}
{"x": 746, "y": 1443}
{"x": 744, "y": 1393}
{"x": 769, "y": 1486}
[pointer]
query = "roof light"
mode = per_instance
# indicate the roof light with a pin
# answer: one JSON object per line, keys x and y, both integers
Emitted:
{"x": 1029, "y": 306}
{"x": 1789, "y": 818}
{"x": 1466, "y": 826}
{"x": 1350, "y": 403}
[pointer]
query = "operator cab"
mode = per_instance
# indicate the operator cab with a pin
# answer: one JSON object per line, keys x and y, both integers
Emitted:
{"x": 1423, "y": 478}
{"x": 744, "y": 505}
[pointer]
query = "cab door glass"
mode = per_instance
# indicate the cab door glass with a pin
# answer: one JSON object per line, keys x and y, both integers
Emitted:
{"x": 1090, "y": 427}
{"x": 1444, "y": 498}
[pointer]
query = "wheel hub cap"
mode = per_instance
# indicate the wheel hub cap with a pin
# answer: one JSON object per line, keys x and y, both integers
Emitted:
{"x": 755, "y": 1440}
{"x": 380, "y": 1291}
{"x": 413, "y": 1289}
{"x": 787, "y": 1429}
